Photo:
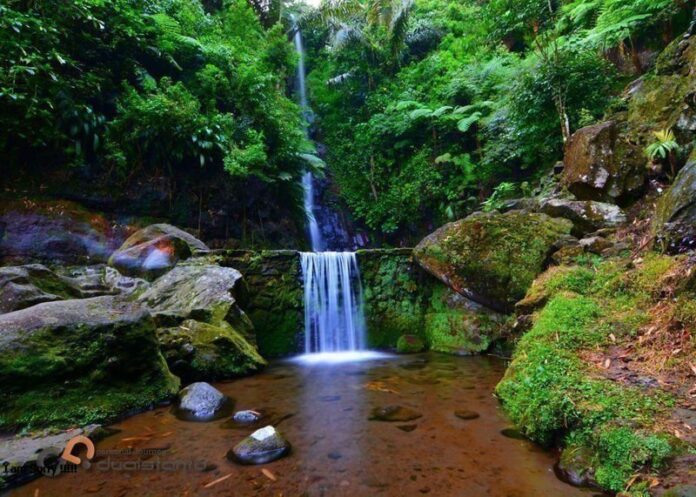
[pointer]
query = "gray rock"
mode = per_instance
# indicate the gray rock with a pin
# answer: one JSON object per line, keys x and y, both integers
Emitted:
{"x": 25, "y": 286}
{"x": 595, "y": 244}
{"x": 246, "y": 417}
{"x": 675, "y": 216}
{"x": 587, "y": 216}
{"x": 202, "y": 402}
{"x": 192, "y": 291}
{"x": 600, "y": 164}
{"x": 394, "y": 413}
{"x": 154, "y": 250}
{"x": 575, "y": 467}
{"x": 261, "y": 447}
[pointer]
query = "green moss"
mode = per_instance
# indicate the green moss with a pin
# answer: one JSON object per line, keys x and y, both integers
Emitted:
{"x": 620, "y": 450}
{"x": 409, "y": 344}
{"x": 549, "y": 392}
{"x": 495, "y": 257}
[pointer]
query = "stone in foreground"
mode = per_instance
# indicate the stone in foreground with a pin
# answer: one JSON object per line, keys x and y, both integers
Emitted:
{"x": 202, "y": 402}
{"x": 261, "y": 447}
{"x": 675, "y": 217}
{"x": 246, "y": 417}
{"x": 394, "y": 413}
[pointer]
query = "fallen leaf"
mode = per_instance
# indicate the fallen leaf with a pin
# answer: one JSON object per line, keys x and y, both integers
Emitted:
{"x": 215, "y": 482}
{"x": 268, "y": 474}
{"x": 133, "y": 439}
{"x": 693, "y": 368}
{"x": 165, "y": 434}
{"x": 607, "y": 363}
{"x": 612, "y": 337}
{"x": 36, "y": 493}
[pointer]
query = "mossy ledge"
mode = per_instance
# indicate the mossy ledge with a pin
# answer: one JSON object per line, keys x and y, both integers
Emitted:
{"x": 555, "y": 391}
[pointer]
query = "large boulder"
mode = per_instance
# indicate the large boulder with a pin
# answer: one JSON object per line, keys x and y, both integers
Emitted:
{"x": 204, "y": 292}
{"x": 152, "y": 251}
{"x": 602, "y": 164}
{"x": 587, "y": 216}
{"x": 73, "y": 362}
{"x": 54, "y": 231}
{"x": 492, "y": 258}
{"x": 204, "y": 334}
{"x": 675, "y": 217}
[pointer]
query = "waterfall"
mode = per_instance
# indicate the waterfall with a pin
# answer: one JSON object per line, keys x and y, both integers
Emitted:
{"x": 333, "y": 299}
{"x": 334, "y": 319}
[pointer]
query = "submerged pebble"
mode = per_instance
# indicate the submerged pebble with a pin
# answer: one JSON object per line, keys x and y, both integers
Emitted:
{"x": 394, "y": 413}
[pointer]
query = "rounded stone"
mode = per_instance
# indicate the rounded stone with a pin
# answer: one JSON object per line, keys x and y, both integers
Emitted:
{"x": 202, "y": 402}
{"x": 261, "y": 447}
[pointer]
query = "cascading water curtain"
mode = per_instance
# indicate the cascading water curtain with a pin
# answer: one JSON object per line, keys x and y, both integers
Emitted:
{"x": 333, "y": 300}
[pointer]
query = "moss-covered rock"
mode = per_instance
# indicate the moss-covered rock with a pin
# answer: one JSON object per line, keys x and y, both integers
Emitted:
{"x": 554, "y": 396}
{"x": 24, "y": 286}
{"x": 492, "y": 258}
{"x": 587, "y": 216}
{"x": 457, "y": 325}
{"x": 273, "y": 298}
{"x": 75, "y": 362}
{"x": 200, "y": 351}
{"x": 674, "y": 223}
{"x": 409, "y": 344}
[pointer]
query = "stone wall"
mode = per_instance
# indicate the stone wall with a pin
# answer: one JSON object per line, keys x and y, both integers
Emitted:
{"x": 273, "y": 298}
{"x": 400, "y": 299}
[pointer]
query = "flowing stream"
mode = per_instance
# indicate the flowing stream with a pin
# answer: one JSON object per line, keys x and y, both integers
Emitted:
{"x": 333, "y": 300}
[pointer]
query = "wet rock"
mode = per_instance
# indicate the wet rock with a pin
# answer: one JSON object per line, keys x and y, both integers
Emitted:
{"x": 675, "y": 217}
{"x": 92, "y": 358}
{"x": 409, "y": 344}
{"x": 394, "y": 413}
{"x": 600, "y": 164}
{"x": 261, "y": 447}
{"x": 202, "y": 402}
{"x": 512, "y": 433}
{"x": 492, "y": 258}
{"x": 587, "y": 216}
{"x": 407, "y": 428}
{"x": 334, "y": 456}
{"x": 154, "y": 250}
{"x": 575, "y": 467}
{"x": 467, "y": 415}
{"x": 246, "y": 417}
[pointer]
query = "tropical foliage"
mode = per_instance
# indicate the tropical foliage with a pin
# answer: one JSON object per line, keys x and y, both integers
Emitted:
{"x": 423, "y": 123}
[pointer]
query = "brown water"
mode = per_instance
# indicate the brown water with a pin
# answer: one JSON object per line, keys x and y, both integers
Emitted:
{"x": 323, "y": 411}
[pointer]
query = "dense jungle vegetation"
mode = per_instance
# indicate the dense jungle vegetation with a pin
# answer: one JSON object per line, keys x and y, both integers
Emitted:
{"x": 427, "y": 108}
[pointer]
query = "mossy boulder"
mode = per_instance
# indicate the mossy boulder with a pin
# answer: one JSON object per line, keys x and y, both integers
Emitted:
{"x": 492, "y": 258}
{"x": 200, "y": 351}
{"x": 204, "y": 333}
{"x": 152, "y": 251}
{"x": 75, "y": 362}
{"x": 602, "y": 164}
{"x": 675, "y": 217}
{"x": 25, "y": 286}
{"x": 457, "y": 325}
{"x": 409, "y": 344}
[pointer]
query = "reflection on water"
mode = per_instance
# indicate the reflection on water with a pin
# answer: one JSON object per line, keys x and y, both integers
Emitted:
{"x": 323, "y": 410}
